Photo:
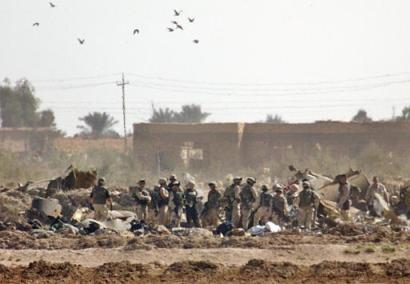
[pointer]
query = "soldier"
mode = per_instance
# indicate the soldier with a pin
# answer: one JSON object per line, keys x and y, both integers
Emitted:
{"x": 176, "y": 204}
{"x": 307, "y": 202}
{"x": 279, "y": 205}
{"x": 172, "y": 179}
{"x": 232, "y": 200}
{"x": 379, "y": 188}
{"x": 210, "y": 213}
{"x": 191, "y": 209}
{"x": 344, "y": 202}
{"x": 292, "y": 191}
{"x": 142, "y": 198}
{"x": 163, "y": 200}
{"x": 99, "y": 198}
{"x": 264, "y": 211}
{"x": 248, "y": 198}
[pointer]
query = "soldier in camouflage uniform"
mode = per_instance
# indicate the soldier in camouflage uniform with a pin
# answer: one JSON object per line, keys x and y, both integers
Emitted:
{"x": 176, "y": 204}
{"x": 143, "y": 198}
{"x": 232, "y": 200}
{"x": 248, "y": 198}
{"x": 99, "y": 198}
{"x": 191, "y": 209}
{"x": 307, "y": 203}
{"x": 210, "y": 214}
{"x": 264, "y": 212}
{"x": 279, "y": 205}
{"x": 162, "y": 202}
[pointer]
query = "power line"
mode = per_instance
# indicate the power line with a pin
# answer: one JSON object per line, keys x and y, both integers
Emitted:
{"x": 328, "y": 82}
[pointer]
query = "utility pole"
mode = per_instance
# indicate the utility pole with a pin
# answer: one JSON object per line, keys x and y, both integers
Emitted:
{"x": 122, "y": 84}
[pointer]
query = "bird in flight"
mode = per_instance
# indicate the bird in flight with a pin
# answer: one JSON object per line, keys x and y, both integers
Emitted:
{"x": 177, "y": 13}
{"x": 52, "y": 5}
{"x": 175, "y": 22}
{"x": 81, "y": 41}
{"x": 135, "y": 31}
{"x": 36, "y": 24}
{"x": 170, "y": 30}
{"x": 179, "y": 27}
{"x": 191, "y": 20}
{"x": 195, "y": 41}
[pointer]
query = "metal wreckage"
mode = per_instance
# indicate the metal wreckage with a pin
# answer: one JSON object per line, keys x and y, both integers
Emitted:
{"x": 58, "y": 207}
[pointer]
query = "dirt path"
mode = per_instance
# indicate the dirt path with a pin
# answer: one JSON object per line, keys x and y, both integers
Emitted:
{"x": 297, "y": 254}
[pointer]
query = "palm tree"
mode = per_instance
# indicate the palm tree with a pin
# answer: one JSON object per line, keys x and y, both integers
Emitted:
{"x": 274, "y": 119}
{"x": 162, "y": 115}
{"x": 97, "y": 124}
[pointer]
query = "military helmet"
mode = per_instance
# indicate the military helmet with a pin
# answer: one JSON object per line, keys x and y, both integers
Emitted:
{"x": 237, "y": 178}
{"x": 162, "y": 181}
{"x": 212, "y": 183}
{"x": 306, "y": 184}
{"x": 251, "y": 180}
{"x": 277, "y": 187}
{"x": 264, "y": 187}
{"x": 172, "y": 177}
{"x": 101, "y": 181}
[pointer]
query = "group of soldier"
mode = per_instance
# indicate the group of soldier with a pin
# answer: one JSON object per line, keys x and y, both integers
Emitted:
{"x": 240, "y": 204}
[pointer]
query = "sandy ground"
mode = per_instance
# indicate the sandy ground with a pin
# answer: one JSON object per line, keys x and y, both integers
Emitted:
{"x": 299, "y": 254}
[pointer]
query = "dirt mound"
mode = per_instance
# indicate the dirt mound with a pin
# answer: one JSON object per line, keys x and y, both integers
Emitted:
{"x": 51, "y": 270}
{"x": 261, "y": 268}
{"x": 398, "y": 268}
{"x": 192, "y": 267}
{"x": 255, "y": 270}
{"x": 332, "y": 269}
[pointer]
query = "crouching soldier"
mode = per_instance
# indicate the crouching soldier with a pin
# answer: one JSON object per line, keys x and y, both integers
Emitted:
{"x": 264, "y": 211}
{"x": 99, "y": 198}
{"x": 307, "y": 203}
{"x": 191, "y": 209}
{"x": 280, "y": 207}
{"x": 210, "y": 214}
{"x": 176, "y": 204}
{"x": 248, "y": 198}
{"x": 142, "y": 197}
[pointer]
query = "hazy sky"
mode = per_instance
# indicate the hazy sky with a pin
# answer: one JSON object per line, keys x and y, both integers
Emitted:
{"x": 305, "y": 60}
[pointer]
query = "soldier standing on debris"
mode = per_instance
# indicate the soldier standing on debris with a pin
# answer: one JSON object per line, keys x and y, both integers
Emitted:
{"x": 191, "y": 209}
{"x": 210, "y": 214}
{"x": 232, "y": 200}
{"x": 379, "y": 188}
{"x": 279, "y": 205}
{"x": 172, "y": 179}
{"x": 264, "y": 211}
{"x": 307, "y": 203}
{"x": 142, "y": 198}
{"x": 163, "y": 200}
{"x": 344, "y": 201}
{"x": 292, "y": 191}
{"x": 176, "y": 204}
{"x": 248, "y": 198}
{"x": 99, "y": 198}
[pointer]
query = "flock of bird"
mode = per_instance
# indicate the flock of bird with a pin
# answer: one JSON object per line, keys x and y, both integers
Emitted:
{"x": 135, "y": 31}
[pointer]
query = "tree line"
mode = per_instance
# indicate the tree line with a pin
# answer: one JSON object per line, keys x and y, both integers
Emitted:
{"x": 19, "y": 107}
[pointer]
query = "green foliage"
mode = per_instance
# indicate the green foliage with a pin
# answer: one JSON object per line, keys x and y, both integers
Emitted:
{"x": 19, "y": 106}
{"x": 188, "y": 114}
{"x": 361, "y": 117}
{"x": 405, "y": 114}
{"x": 274, "y": 119}
{"x": 97, "y": 125}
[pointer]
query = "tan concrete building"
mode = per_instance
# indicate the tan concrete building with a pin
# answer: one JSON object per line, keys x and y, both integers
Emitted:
{"x": 232, "y": 145}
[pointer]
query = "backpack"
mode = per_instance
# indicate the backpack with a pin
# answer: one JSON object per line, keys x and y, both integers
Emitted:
{"x": 178, "y": 199}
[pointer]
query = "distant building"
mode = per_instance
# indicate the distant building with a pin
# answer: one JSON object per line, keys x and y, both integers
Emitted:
{"x": 234, "y": 145}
